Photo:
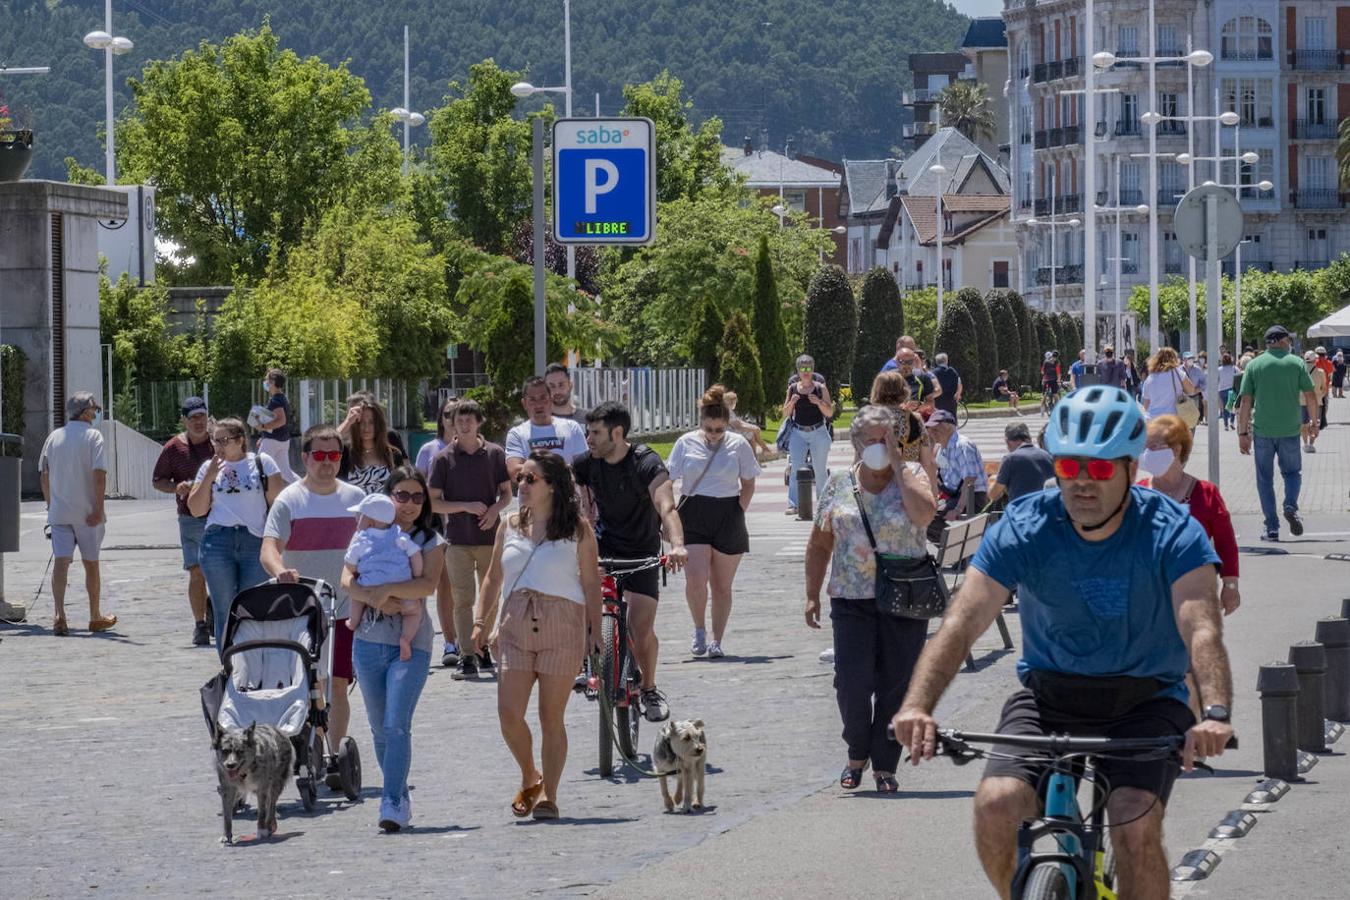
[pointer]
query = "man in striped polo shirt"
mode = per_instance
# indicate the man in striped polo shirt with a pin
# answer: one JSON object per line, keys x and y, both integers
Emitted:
{"x": 307, "y": 533}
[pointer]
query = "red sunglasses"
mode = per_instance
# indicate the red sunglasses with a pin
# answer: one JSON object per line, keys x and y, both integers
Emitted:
{"x": 326, "y": 455}
{"x": 1097, "y": 469}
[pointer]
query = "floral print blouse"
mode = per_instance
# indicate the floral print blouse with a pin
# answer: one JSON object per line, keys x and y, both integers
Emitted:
{"x": 853, "y": 568}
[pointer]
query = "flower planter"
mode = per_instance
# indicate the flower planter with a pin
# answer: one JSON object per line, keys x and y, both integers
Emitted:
{"x": 16, "y": 152}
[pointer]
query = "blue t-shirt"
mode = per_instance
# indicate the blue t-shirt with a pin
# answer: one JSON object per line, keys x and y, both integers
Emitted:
{"x": 1098, "y": 608}
{"x": 1077, "y": 369}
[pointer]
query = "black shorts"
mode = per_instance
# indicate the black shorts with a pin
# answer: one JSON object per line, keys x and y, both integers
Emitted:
{"x": 648, "y": 581}
{"x": 718, "y": 521}
{"x": 1022, "y": 714}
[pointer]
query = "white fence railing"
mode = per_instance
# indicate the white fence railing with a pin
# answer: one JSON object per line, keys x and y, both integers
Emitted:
{"x": 660, "y": 400}
{"x": 131, "y": 458}
{"x": 325, "y": 400}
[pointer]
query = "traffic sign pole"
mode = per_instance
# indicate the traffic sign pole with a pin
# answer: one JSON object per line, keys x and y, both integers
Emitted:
{"x": 1213, "y": 331}
{"x": 540, "y": 315}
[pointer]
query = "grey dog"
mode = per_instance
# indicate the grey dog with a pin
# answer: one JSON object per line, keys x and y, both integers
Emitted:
{"x": 682, "y": 750}
{"x": 256, "y": 760}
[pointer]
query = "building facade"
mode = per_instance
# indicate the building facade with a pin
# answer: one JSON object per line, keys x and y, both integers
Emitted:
{"x": 1283, "y": 67}
{"x": 805, "y": 184}
{"x": 930, "y": 73}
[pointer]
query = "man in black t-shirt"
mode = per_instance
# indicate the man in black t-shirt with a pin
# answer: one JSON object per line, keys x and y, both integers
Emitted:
{"x": 1025, "y": 469}
{"x": 923, "y": 390}
{"x": 949, "y": 380}
{"x": 626, "y": 491}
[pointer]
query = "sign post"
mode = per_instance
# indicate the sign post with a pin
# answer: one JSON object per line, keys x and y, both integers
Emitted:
{"x": 604, "y": 181}
{"x": 1208, "y": 223}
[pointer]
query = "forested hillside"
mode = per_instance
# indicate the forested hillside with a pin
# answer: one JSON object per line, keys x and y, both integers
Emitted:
{"x": 825, "y": 72}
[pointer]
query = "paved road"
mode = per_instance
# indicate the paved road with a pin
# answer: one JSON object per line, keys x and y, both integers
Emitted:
{"x": 110, "y": 787}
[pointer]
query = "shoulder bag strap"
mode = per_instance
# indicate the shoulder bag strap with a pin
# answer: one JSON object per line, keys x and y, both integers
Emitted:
{"x": 262, "y": 482}
{"x": 685, "y": 495}
{"x": 862, "y": 512}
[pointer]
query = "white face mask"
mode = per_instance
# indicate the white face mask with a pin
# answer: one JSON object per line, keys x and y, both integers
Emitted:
{"x": 1156, "y": 462}
{"x": 267, "y": 388}
{"x": 876, "y": 457}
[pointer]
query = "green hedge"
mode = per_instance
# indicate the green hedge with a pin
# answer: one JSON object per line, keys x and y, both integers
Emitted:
{"x": 12, "y": 362}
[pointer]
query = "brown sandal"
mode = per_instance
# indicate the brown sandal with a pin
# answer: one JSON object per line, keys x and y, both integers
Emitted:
{"x": 102, "y": 623}
{"x": 546, "y": 809}
{"x": 59, "y": 627}
{"x": 526, "y": 798}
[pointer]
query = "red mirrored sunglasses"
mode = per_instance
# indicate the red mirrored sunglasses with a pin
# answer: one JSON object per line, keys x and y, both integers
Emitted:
{"x": 326, "y": 455}
{"x": 1097, "y": 469}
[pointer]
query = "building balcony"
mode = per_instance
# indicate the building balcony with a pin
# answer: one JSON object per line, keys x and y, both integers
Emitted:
{"x": 1042, "y": 139}
{"x": 1072, "y": 67}
{"x": 1259, "y": 265}
{"x": 918, "y": 96}
{"x": 1168, "y": 197}
{"x": 1069, "y": 203}
{"x": 1070, "y": 274}
{"x": 1038, "y": 73}
{"x": 1318, "y": 198}
{"x": 1304, "y": 129}
{"x": 1056, "y": 138}
{"x": 1131, "y": 197}
{"x": 1309, "y": 265}
{"x": 1171, "y": 51}
{"x": 1174, "y": 266}
{"x": 1071, "y": 135}
{"x": 919, "y": 129}
{"x": 1316, "y": 60}
{"x": 1125, "y": 58}
{"x": 1168, "y": 128}
{"x": 1054, "y": 70}
{"x": 1127, "y": 128}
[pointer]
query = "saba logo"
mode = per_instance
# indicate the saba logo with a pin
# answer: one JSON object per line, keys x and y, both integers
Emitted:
{"x": 601, "y": 136}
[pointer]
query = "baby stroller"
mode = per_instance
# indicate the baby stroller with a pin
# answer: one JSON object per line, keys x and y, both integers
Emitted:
{"x": 271, "y": 653}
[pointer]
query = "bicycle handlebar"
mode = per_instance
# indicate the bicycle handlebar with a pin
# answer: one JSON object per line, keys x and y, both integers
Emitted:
{"x": 957, "y": 742}
{"x": 629, "y": 566}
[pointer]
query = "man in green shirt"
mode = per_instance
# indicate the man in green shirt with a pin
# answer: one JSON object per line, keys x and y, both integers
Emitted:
{"x": 1276, "y": 383}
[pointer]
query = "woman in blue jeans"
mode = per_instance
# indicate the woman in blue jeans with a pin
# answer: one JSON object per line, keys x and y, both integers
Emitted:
{"x": 810, "y": 408}
{"x": 234, "y": 490}
{"x": 390, "y": 687}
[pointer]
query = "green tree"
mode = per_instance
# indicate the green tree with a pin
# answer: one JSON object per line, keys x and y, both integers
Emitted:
{"x": 739, "y": 365}
{"x": 775, "y": 358}
{"x": 921, "y": 317}
{"x": 958, "y": 338}
{"x": 1047, "y": 336}
{"x": 831, "y": 324}
{"x": 1070, "y": 333}
{"x": 135, "y": 322}
{"x": 480, "y": 157}
{"x": 965, "y": 107}
{"x": 1007, "y": 335}
{"x": 1026, "y": 330}
{"x": 688, "y": 161}
{"x": 988, "y": 358}
{"x": 705, "y": 349}
{"x": 881, "y": 319}
{"x": 246, "y": 143}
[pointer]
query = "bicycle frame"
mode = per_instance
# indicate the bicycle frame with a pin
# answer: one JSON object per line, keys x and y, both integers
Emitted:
{"x": 1076, "y": 841}
{"x": 612, "y": 604}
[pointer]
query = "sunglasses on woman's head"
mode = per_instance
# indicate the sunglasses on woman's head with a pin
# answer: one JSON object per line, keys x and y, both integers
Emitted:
{"x": 528, "y": 478}
{"x": 409, "y": 497}
{"x": 326, "y": 455}
{"x": 1097, "y": 469}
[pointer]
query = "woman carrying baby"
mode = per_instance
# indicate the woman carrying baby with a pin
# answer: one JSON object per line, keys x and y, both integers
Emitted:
{"x": 391, "y": 681}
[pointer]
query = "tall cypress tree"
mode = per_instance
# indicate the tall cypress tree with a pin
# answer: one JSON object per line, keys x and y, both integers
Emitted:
{"x": 830, "y": 326}
{"x": 1007, "y": 334}
{"x": 706, "y": 346}
{"x": 739, "y": 367}
{"x": 770, "y": 337}
{"x": 987, "y": 359}
{"x": 956, "y": 336}
{"x": 881, "y": 319}
{"x": 1026, "y": 327}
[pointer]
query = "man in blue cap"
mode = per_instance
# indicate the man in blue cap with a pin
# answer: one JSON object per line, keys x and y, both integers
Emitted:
{"x": 175, "y": 470}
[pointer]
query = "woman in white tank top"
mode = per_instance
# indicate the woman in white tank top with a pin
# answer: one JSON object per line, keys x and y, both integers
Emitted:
{"x": 546, "y": 570}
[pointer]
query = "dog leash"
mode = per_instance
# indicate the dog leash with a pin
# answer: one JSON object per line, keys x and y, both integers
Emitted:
{"x": 607, "y": 716}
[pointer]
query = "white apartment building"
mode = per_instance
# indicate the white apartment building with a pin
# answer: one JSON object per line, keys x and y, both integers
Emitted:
{"x": 1283, "y": 67}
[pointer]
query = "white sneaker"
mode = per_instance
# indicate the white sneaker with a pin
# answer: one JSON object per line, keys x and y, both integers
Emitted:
{"x": 698, "y": 644}
{"x": 827, "y": 656}
{"x": 11, "y": 612}
{"x": 715, "y": 650}
{"x": 390, "y": 816}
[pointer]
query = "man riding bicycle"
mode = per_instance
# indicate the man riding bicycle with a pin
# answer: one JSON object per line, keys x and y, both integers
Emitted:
{"x": 1118, "y": 597}
{"x": 626, "y": 491}
{"x": 1050, "y": 377}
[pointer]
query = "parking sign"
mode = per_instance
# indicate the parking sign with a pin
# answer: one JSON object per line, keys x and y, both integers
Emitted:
{"x": 604, "y": 181}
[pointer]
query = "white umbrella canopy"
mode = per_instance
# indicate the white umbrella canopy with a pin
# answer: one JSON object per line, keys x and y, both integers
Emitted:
{"x": 1336, "y": 325}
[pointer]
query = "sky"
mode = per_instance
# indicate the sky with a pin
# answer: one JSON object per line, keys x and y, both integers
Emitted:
{"x": 975, "y": 8}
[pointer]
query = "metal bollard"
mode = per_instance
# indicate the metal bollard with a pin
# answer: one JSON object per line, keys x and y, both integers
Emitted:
{"x": 806, "y": 491}
{"x": 1310, "y": 661}
{"x": 1345, "y": 608}
{"x": 1277, "y": 683}
{"x": 1334, "y": 634}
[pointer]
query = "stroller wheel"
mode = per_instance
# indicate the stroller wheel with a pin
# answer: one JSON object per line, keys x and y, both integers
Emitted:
{"x": 308, "y": 795}
{"x": 349, "y": 768}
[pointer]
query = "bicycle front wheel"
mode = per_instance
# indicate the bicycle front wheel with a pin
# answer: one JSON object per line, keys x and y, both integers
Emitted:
{"x": 1047, "y": 882}
{"x": 627, "y": 719}
{"x": 963, "y": 412}
{"x": 608, "y": 683}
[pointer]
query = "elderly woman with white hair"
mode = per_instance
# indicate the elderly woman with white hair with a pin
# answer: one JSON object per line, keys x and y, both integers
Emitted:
{"x": 874, "y": 652}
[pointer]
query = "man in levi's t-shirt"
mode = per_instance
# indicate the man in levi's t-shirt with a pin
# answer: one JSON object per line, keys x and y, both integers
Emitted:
{"x": 307, "y": 533}
{"x": 542, "y": 430}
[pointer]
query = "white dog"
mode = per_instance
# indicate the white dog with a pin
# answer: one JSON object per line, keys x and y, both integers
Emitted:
{"x": 682, "y": 750}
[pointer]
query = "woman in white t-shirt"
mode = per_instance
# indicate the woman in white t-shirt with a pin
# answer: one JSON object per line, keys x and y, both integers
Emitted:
{"x": 234, "y": 489}
{"x": 1165, "y": 380}
{"x": 716, "y": 469}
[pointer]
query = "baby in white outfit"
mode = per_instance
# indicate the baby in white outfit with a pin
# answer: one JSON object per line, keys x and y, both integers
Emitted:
{"x": 381, "y": 553}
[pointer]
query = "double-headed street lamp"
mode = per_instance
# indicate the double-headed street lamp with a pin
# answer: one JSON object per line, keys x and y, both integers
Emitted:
{"x": 111, "y": 46}
{"x": 402, "y": 113}
{"x": 780, "y": 210}
{"x": 1052, "y": 223}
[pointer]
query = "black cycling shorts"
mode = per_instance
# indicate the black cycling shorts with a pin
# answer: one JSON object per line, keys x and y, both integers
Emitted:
{"x": 1160, "y": 716}
{"x": 648, "y": 581}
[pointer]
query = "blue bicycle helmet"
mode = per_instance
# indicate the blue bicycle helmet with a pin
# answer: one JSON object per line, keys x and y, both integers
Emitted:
{"x": 1096, "y": 422}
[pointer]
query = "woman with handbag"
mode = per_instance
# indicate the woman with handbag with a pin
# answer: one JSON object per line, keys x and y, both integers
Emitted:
{"x": 547, "y": 558}
{"x": 1166, "y": 391}
{"x": 869, "y": 534}
{"x": 716, "y": 469}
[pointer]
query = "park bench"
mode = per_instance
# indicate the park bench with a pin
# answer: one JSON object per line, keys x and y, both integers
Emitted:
{"x": 960, "y": 540}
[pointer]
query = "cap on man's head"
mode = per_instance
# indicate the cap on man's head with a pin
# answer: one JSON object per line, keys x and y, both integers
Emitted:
{"x": 79, "y": 402}
{"x": 1321, "y": 351}
{"x": 1276, "y": 333}
{"x": 1049, "y": 355}
{"x": 940, "y": 417}
{"x": 377, "y": 507}
{"x": 1189, "y": 354}
{"x": 194, "y": 406}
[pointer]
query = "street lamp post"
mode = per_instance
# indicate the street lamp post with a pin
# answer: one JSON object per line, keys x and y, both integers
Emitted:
{"x": 111, "y": 46}
{"x": 939, "y": 170}
{"x": 1195, "y": 58}
{"x": 402, "y": 113}
{"x": 1051, "y": 223}
{"x": 1119, "y": 210}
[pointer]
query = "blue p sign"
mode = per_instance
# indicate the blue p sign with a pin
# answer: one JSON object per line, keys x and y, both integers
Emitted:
{"x": 604, "y": 183}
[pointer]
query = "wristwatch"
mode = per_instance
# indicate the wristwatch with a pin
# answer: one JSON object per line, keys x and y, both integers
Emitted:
{"x": 1217, "y": 713}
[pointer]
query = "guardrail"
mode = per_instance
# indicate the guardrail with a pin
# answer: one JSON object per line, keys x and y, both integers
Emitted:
{"x": 659, "y": 400}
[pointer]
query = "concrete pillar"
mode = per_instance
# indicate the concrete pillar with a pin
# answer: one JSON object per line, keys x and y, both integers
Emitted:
{"x": 37, "y": 218}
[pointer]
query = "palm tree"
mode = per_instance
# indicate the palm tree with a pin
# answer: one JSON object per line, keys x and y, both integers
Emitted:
{"x": 1343, "y": 151}
{"x": 965, "y": 107}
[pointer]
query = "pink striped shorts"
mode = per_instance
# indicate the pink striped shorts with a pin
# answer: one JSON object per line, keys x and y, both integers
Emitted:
{"x": 541, "y": 633}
